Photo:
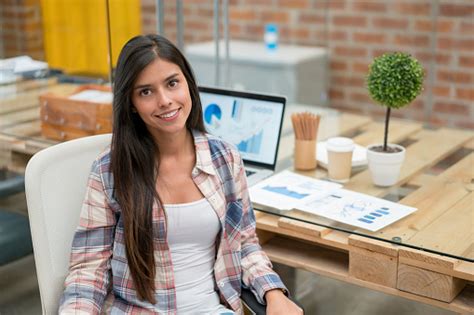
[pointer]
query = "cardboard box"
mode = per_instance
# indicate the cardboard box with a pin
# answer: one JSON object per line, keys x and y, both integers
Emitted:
{"x": 64, "y": 118}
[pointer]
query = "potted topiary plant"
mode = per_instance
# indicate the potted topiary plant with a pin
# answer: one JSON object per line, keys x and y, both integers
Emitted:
{"x": 394, "y": 80}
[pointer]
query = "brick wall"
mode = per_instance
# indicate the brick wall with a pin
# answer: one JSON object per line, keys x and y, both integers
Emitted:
{"x": 21, "y": 28}
{"x": 439, "y": 33}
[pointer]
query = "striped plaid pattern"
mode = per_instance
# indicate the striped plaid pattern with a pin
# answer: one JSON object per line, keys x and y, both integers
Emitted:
{"x": 99, "y": 272}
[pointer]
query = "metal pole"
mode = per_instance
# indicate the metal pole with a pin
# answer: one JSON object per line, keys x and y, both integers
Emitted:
{"x": 216, "y": 42}
{"x": 226, "y": 41}
{"x": 179, "y": 24}
{"x": 109, "y": 41}
{"x": 160, "y": 17}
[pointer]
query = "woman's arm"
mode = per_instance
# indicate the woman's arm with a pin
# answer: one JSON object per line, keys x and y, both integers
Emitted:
{"x": 87, "y": 283}
{"x": 257, "y": 273}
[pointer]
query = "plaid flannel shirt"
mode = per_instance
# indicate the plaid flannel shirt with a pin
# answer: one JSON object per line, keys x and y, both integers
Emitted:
{"x": 98, "y": 267}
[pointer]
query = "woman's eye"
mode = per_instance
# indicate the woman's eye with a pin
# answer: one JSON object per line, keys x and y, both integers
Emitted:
{"x": 145, "y": 92}
{"x": 173, "y": 83}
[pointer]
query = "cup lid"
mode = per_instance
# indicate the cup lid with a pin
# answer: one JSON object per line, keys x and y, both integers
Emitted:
{"x": 340, "y": 144}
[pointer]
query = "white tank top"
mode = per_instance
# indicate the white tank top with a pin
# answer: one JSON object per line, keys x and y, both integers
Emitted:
{"x": 192, "y": 229}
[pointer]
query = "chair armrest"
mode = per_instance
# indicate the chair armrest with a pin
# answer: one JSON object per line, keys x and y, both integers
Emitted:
{"x": 250, "y": 301}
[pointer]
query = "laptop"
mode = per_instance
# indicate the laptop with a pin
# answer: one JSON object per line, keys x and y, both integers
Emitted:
{"x": 249, "y": 120}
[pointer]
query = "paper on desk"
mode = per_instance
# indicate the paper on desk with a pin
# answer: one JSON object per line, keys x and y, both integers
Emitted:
{"x": 356, "y": 209}
{"x": 287, "y": 190}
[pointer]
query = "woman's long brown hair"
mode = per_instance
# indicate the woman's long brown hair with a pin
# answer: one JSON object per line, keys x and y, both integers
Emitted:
{"x": 133, "y": 154}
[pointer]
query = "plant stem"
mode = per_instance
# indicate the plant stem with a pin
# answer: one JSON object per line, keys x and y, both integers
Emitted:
{"x": 387, "y": 118}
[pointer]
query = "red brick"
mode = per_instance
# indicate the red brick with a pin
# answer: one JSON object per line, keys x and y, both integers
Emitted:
{"x": 235, "y": 29}
{"x": 334, "y": 5}
{"x": 197, "y": 25}
{"x": 338, "y": 65}
{"x": 410, "y": 8}
{"x": 349, "y": 20}
{"x": 465, "y": 94}
{"x": 360, "y": 97}
{"x": 294, "y": 4}
{"x": 454, "y": 76}
{"x": 348, "y": 81}
{"x": 465, "y": 124}
{"x": 390, "y": 23}
{"x": 275, "y": 17}
{"x": 369, "y": 6}
{"x": 451, "y": 108}
{"x": 425, "y": 57}
{"x": 350, "y": 51}
{"x": 338, "y": 35}
{"x": 369, "y": 38}
{"x": 466, "y": 61}
{"x": 455, "y": 44}
{"x": 444, "y": 26}
{"x": 336, "y": 94}
{"x": 412, "y": 40}
{"x": 456, "y": 10}
{"x": 425, "y": 25}
{"x": 442, "y": 91}
{"x": 312, "y": 18}
{"x": 466, "y": 28}
{"x": 241, "y": 15}
{"x": 360, "y": 67}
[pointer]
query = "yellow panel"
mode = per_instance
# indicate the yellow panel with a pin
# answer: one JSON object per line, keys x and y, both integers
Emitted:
{"x": 75, "y": 32}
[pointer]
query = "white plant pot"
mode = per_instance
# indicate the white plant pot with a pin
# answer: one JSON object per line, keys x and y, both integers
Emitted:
{"x": 385, "y": 167}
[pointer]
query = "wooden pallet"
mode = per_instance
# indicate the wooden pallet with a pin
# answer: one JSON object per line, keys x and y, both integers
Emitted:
{"x": 443, "y": 222}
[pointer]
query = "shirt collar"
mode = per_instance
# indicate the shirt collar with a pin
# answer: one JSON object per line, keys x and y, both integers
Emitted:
{"x": 203, "y": 152}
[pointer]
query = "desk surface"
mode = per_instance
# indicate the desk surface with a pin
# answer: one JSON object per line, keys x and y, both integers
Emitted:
{"x": 437, "y": 177}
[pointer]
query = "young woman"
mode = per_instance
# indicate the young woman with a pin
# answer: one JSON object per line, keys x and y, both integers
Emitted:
{"x": 166, "y": 226}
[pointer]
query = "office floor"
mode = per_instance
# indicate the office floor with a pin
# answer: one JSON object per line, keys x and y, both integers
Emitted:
{"x": 19, "y": 293}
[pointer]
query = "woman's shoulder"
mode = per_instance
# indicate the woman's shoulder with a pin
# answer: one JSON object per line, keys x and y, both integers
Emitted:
{"x": 102, "y": 161}
{"x": 221, "y": 147}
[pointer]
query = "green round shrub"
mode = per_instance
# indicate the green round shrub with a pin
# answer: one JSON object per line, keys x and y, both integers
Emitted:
{"x": 395, "y": 79}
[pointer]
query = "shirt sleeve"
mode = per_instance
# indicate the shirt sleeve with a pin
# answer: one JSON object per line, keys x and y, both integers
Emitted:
{"x": 87, "y": 283}
{"x": 257, "y": 272}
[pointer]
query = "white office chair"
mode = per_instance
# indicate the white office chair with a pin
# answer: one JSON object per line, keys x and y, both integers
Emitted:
{"x": 55, "y": 185}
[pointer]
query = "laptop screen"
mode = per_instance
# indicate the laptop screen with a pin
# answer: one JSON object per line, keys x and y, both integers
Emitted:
{"x": 252, "y": 122}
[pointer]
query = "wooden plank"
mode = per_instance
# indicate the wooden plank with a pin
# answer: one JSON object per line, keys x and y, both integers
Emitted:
{"x": 25, "y": 85}
{"x": 335, "y": 239}
{"x": 432, "y": 147}
{"x": 30, "y": 99}
{"x": 441, "y": 264}
{"x": 309, "y": 257}
{"x": 19, "y": 117}
{"x": 422, "y": 180}
{"x": 303, "y": 227}
{"x": 430, "y": 203}
{"x": 373, "y": 261}
{"x": 452, "y": 232}
{"x": 428, "y": 283}
{"x": 27, "y": 129}
{"x": 373, "y": 267}
{"x": 306, "y": 257}
{"x": 374, "y": 245}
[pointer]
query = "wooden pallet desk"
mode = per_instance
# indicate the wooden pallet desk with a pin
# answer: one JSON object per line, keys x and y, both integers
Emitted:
{"x": 436, "y": 177}
{"x": 427, "y": 256}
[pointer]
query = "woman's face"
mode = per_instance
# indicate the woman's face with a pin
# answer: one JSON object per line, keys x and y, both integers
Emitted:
{"x": 161, "y": 97}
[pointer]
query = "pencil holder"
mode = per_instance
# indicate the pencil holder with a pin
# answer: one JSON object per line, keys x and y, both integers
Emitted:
{"x": 305, "y": 154}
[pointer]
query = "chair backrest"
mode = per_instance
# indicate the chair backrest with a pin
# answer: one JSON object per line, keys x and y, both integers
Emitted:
{"x": 55, "y": 185}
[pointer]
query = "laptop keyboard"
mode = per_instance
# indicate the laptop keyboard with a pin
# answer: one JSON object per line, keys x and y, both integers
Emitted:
{"x": 248, "y": 173}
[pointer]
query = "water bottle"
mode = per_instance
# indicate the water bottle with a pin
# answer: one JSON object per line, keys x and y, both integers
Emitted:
{"x": 271, "y": 36}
